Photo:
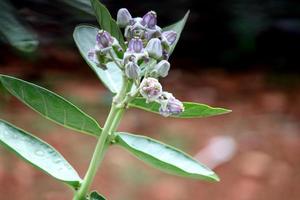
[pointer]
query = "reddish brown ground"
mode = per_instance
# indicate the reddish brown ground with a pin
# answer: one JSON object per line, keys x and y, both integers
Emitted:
{"x": 264, "y": 123}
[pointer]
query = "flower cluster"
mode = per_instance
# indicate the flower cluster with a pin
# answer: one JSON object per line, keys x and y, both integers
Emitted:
{"x": 152, "y": 91}
{"x": 145, "y": 58}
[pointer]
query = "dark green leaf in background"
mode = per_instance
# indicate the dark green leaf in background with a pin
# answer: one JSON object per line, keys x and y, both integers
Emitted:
{"x": 191, "y": 110}
{"x": 38, "y": 153}
{"x": 51, "y": 105}
{"x": 83, "y": 5}
{"x": 164, "y": 157}
{"x": 13, "y": 30}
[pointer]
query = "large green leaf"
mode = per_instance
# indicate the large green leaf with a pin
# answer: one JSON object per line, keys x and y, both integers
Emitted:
{"x": 50, "y": 105}
{"x": 13, "y": 30}
{"x": 177, "y": 27}
{"x": 85, "y": 39}
{"x": 107, "y": 22}
{"x": 164, "y": 157}
{"x": 38, "y": 153}
{"x": 191, "y": 110}
{"x": 95, "y": 196}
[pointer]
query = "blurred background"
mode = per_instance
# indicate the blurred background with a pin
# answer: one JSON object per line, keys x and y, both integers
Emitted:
{"x": 237, "y": 54}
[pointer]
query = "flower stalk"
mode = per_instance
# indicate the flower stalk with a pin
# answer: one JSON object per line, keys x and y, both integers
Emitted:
{"x": 114, "y": 118}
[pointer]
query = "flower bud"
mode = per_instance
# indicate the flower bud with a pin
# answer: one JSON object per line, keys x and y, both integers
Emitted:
{"x": 169, "y": 37}
{"x": 132, "y": 70}
{"x": 150, "y": 89}
{"x": 170, "y": 105}
{"x": 98, "y": 58}
{"x": 135, "y": 45}
{"x": 154, "y": 48}
{"x": 149, "y": 19}
{"x": 152, "y": 33}
{"x": 123, "y": 17}
{"x": 92, "y": 56}
{"x": 162, "y": 68}
{"x": 165, "y": 54}
{"x": 104, "y": 39}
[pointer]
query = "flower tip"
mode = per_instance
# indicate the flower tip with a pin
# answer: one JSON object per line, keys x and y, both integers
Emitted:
{"x": 150, "y": 19}
{"x": 123, "y": 17}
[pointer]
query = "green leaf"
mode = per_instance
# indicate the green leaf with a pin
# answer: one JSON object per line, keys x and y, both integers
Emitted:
{"x": 82, "y": 5}
{"x": 85, "y": 39}
{"x": 13, "y": 30}
{"x": 95, "y": 196}
{"x": 38, "y": 153}
{"x": 51, "y": 106}
{"x": 107, "y": 22}
{"x": 177, "y": 27}
{"x": 164, "y": 157}
{"x": 191, "y": 110}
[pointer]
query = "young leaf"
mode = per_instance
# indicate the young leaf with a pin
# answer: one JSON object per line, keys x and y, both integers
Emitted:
{"x": 177, "y": 27}
{"x": 85, "y": 39}
{"x": 38, "y": 153}
{"x": 164, "y": 157}
{"x": 191, "y": 110}
{"x": 107, "y": 22}
{"x": 51, "y": 106}
{"x": 95, "y": 196}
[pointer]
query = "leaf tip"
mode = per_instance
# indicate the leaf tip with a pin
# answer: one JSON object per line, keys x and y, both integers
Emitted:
{"x": 225, "y": 111}
{"x": 214, "y": 177}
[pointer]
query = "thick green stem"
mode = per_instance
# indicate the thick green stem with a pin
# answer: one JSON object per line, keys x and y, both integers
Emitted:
{"x": 99, "y": 151}
{"x": 111, "y": 124}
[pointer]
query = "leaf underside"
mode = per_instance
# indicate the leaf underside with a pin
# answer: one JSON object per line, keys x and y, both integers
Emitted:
{"x": 85, "y": 39}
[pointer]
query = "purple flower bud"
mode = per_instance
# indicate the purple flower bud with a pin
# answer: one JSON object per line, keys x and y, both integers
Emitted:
{"x": 169, "y": 37}
{"x": 92, "y": 56}
{"x": 150, "y": 89}
{"x": 97, "y": 58}
{"x": 152, "y": 33}
{"x": 149, "y": 19}
{"x": 132, "y": 70}
{"x": 104, "y": 39}
{"x": 154, "y": 48}
{"x": 165, "y": 54}
{"x": 123, "y": 17}
{"x": 170, "y": 105}
{"x": 135, "y": 45}
{"x": 162, "y": 68}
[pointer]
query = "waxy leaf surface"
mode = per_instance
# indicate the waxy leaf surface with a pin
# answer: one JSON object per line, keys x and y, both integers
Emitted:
{"x": 51, "y": 105}
{"x": 191, "y": 110}
{"x": 38, "y": 153}
{"x": 164, "y": 157}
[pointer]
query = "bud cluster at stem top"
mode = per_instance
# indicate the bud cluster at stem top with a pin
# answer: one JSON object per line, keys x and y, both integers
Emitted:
{"x": 144, "y": 60}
